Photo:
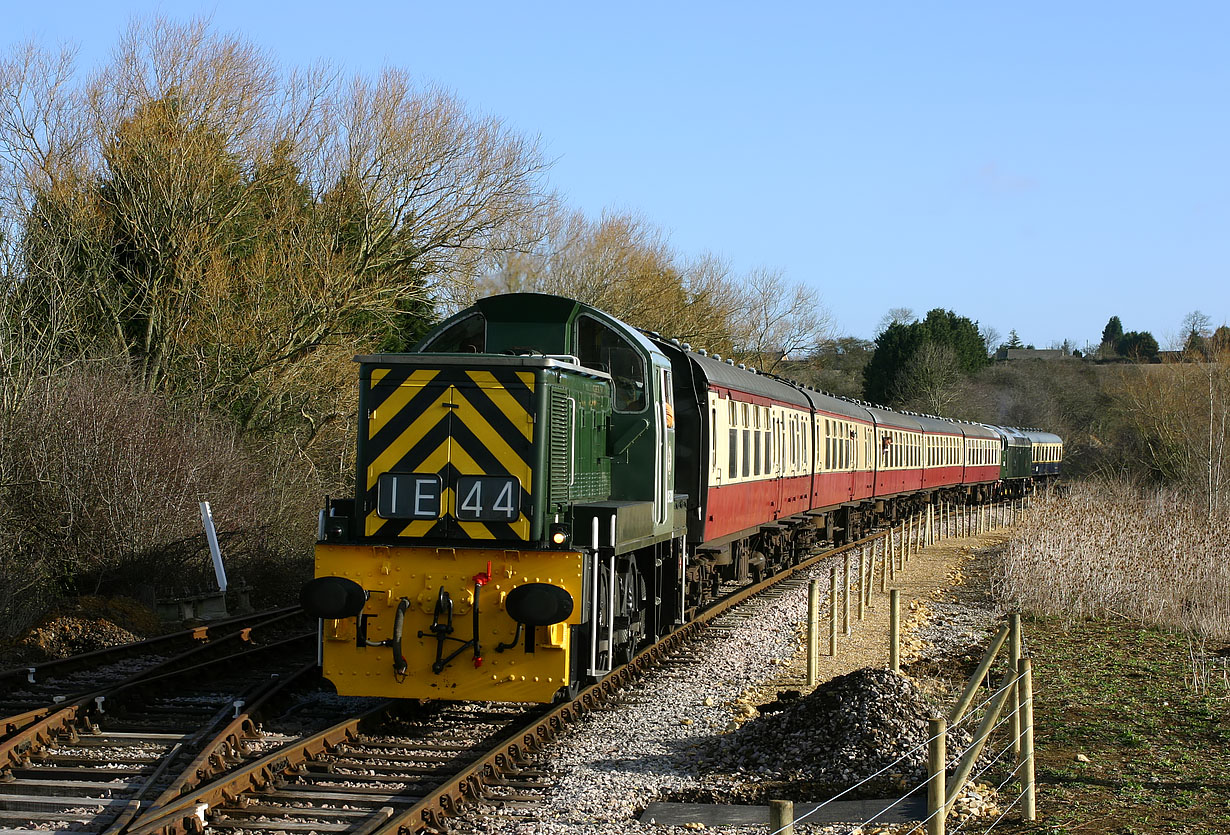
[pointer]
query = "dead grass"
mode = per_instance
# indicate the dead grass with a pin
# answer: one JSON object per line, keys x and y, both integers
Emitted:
{"x": 1113, "y": 551}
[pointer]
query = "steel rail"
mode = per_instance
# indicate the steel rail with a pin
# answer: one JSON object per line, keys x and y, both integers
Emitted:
{"x": 63, "y": 720}
{"x": 212, "y": 760}
{"x": 185, "y": 813}
{"x": 11, "y": 727}
{"x": 445, "y": 800}
{"x": 30, "y": 673}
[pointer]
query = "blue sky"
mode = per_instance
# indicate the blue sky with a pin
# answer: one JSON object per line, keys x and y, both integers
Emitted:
{"x": 1036, "y": 167}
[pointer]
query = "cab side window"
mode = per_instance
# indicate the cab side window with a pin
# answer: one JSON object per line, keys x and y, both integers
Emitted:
{"x": 605, "y": 349}
{"x": 469, "y": 336}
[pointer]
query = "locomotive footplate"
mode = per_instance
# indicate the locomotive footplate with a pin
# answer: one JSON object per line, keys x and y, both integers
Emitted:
{"x": 456, "y": 602}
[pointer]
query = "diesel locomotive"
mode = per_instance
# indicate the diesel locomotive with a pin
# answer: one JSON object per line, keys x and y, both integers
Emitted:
{"x": 541, "y": 490}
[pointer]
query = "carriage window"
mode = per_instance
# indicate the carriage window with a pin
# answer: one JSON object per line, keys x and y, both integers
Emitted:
{"x": 603, "y": 348}
{"x": 469, "y": 336}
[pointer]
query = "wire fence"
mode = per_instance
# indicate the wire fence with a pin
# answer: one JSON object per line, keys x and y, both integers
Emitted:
{"x": 994, "y": 774}
{"x": 977, "y": 800}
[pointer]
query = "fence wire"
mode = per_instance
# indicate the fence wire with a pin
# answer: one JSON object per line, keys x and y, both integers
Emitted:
{"x": 996, "y": 756}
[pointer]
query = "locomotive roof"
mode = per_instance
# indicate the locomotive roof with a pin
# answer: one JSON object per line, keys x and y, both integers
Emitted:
{"x": 566, "y": 362}
{"x": 538, "y": 318}
{"x": 1011, "y": 434}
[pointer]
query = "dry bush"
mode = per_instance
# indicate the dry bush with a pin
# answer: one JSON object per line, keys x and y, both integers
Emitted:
{"x": 101, "y": 489}
{"x": 1112, "y": 549}
{"x": 624, "y": 265}
{"x": 1177, "y": 420}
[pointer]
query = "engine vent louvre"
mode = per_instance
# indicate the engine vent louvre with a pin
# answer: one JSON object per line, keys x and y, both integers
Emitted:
{"x": 560, "y": 445}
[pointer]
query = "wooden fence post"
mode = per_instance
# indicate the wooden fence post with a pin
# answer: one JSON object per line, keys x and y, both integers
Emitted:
{"x": 1014, "y": 662}
{"x": 813, "y": 631}
{"x": 845, "y": 599}
{"x": 894, "y": 630}
{"x": 833, "y": 614}
{"x": 974, "y": 751}
{"x": 937, "y": 757}
{"x": 781, "y": 816}
{"x": 1027, "y": 740}
{"x": 971, "y": 687}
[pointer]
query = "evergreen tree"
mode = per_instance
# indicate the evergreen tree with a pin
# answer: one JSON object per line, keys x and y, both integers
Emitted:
{"x": 1137, "y": 345}
{"x": 1113, "y": 332}
{"x": 897, "y": 345}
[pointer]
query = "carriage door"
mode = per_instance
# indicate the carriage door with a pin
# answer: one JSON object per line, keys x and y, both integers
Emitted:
{"x": 664, "y": 457}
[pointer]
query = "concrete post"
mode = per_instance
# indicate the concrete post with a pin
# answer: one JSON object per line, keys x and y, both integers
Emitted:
{"x": 861, "y": 586}
{"x": 845, "y": 599}
{"x": 883, "y": 566}
{"x": 871, "y": 572}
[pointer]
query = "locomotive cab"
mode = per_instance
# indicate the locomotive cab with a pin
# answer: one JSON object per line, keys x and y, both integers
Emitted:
{"x": 507, "y": 472}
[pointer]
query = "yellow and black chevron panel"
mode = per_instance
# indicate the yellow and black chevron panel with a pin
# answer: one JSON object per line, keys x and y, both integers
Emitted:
{"x": 447, "y": 453}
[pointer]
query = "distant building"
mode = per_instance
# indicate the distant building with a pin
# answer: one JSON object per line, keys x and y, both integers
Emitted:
{"x": 1029, "y": 354}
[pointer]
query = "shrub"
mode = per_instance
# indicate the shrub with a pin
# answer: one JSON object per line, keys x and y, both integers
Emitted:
{"x": 101, "y": 484}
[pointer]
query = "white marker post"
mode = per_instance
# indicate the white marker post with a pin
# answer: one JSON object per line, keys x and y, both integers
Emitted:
{"x": 207, "y": 518}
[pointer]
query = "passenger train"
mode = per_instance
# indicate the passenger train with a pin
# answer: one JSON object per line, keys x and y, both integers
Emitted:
{"x": 542, "y": 490}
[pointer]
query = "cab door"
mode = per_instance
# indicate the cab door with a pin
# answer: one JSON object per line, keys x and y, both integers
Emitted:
{"x": 664, "y": 451}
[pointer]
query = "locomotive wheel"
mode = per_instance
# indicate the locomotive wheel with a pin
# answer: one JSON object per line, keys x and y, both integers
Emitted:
{"x": 569, "y": 692}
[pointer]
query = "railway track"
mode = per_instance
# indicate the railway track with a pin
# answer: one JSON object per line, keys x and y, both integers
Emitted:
{"x": 195, "y": 760}
{"x": 31, "y": 692}
{"x": 106, "y": 748}
{"x": 379, "y": 773}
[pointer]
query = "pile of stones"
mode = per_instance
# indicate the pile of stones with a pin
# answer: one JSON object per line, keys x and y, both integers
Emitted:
{"x": 865, "y": 729}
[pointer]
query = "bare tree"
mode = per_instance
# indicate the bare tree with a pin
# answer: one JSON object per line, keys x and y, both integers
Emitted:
{"x": 931, "y": 380}
{"x": 895, "y": 316}
{"x": 1197, "y": 327}
{"x": 624, "y": 265}
{"x": 41, "y": 148}
{"x": 778, "y": 320}
{"x": 992, "y": 337}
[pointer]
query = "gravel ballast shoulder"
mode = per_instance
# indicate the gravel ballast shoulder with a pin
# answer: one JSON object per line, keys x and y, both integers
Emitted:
{"x": 688, "y": 730}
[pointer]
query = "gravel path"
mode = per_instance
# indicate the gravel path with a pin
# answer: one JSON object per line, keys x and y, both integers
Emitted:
{"x": 668, "y": 738}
